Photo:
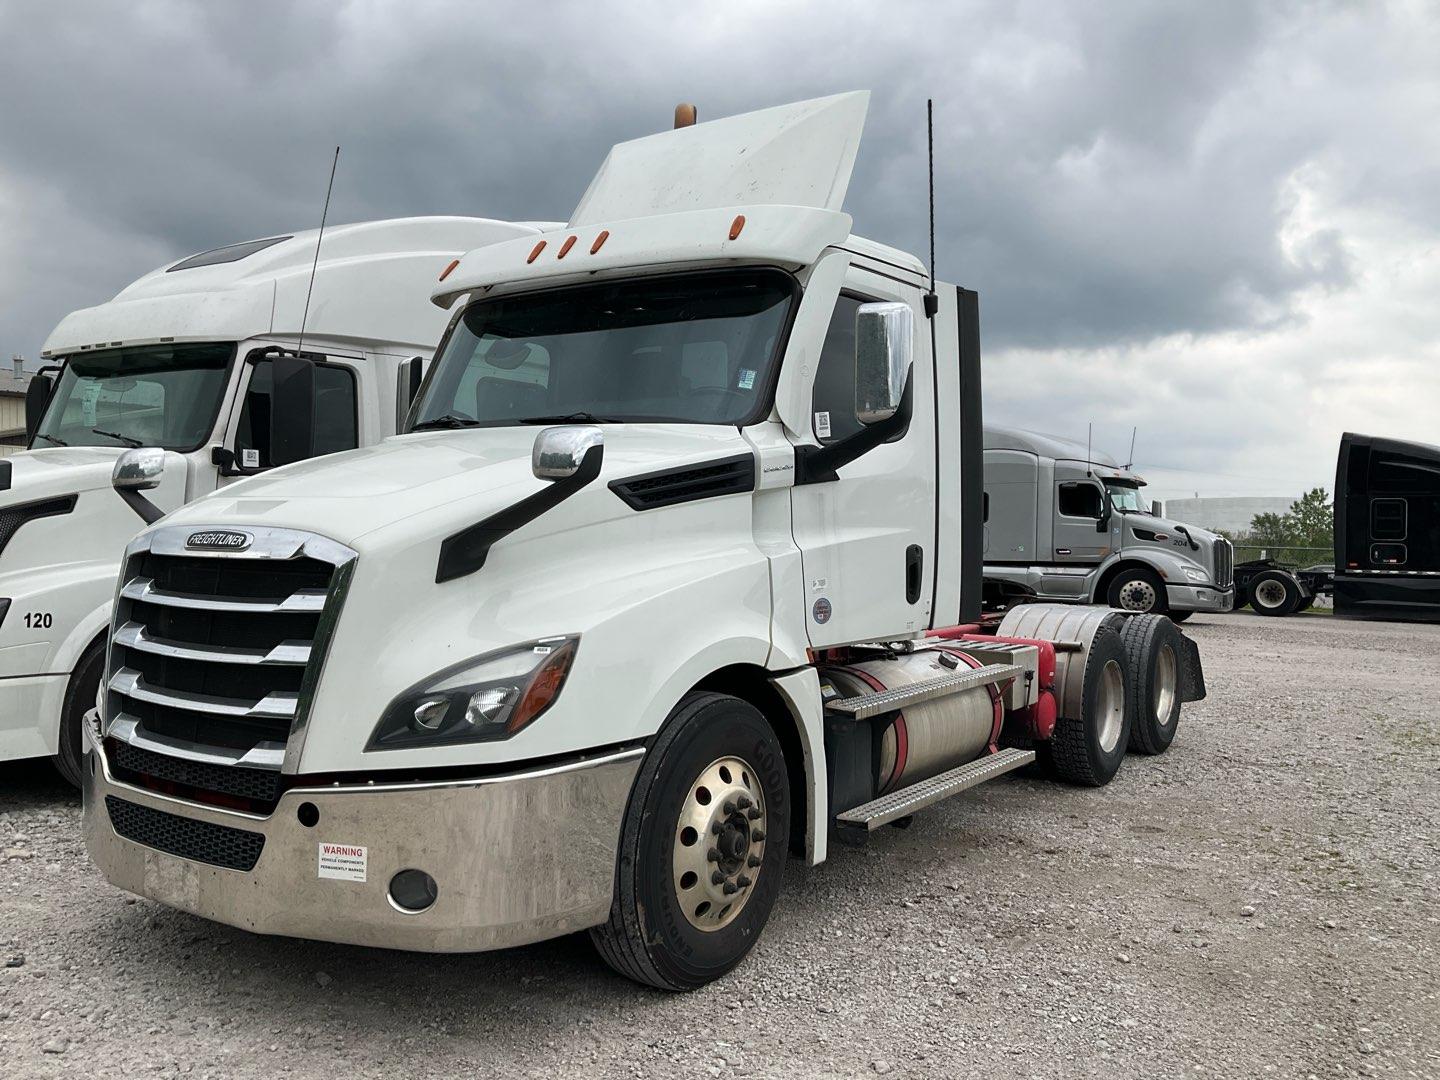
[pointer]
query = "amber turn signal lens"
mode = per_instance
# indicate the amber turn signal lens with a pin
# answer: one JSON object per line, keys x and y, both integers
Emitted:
{"x": 599, "y": 240}
{"x": 736, "y": 226}
{"x": 565, "y": 247}
{"x": 535, "y": 252}
{"x": 544, "y": 687}
{"x": 446, "y": 272}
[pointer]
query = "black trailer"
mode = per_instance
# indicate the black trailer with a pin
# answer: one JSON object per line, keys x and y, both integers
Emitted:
{"x": 1387, "y": 529}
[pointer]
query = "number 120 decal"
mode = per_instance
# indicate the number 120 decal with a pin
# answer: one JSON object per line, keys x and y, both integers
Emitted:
{"x": 38, "y": 620}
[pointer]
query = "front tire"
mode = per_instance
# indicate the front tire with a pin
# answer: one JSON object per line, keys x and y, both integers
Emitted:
{"x": 702, "y": 847}
{"x": 1274, "y": 593}
{"x": 1138, "y": 589}
{"x": 79, "y": 699}
{"x": 1180, "y": 616}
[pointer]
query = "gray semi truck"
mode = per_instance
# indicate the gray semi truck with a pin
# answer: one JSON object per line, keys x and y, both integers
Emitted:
{"x": 1067, "y": 523}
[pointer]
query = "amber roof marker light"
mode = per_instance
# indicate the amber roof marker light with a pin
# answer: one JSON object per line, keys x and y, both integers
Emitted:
{"x": 446, "y": 272}
{"x": 685, "y": 115}
{"x": 736, "y": 226}
{"x": 600, "y": 241}
{"x": 535, "y": 252}
{"x": 565, "y": 247}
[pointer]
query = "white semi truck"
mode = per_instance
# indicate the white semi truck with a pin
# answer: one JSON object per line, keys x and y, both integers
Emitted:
{"x": 677, "y": 568}
{"x": 191, "y": 360}
{"x": 1067, "y": 523}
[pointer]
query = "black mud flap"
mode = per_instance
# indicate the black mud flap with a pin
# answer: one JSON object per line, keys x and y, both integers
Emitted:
{"x": 1192, "y": 676}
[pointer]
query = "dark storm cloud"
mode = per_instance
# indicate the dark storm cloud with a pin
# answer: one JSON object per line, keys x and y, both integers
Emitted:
{"x": 1110, "y": 176}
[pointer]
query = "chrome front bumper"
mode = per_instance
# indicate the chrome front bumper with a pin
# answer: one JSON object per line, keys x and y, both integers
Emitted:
{"x": 517, "y": 858}
{"x": 1199, "y": 598}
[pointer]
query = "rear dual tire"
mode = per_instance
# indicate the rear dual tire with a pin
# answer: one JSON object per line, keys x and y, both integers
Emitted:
{"x": 1274, "y": 593}
{"x": 1088, "y": 751}
{"x": 1152, "y": 649}
{"x": 669, "y": 925}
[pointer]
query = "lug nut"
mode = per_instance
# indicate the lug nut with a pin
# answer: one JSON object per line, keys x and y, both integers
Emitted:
{"x": 715, "y": 829}
{"x": 753, "y": 861}
{"x": 730, "y": 888}
{"x": 743, "y": 881}
{"x": 753, "y": 813}
{"x": 716, "y": 878}
{"x": 712, "y": 855}
{"x": 728, "y": 807}
{"x": 757, "y": 834}
{"x": 743, "y": 802}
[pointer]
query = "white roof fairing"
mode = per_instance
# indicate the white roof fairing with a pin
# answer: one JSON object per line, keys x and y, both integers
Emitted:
{"x": 790, "y": 155}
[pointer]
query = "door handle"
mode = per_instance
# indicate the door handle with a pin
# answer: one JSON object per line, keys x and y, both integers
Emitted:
{"x": 914, "y": 567}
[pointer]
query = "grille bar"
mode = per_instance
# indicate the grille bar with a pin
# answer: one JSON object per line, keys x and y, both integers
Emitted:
{"x": 145, "y": 589}
{"x": 134, "y": 635}
{"x": 201, "y": 841}
{"x": 280, "y": 704}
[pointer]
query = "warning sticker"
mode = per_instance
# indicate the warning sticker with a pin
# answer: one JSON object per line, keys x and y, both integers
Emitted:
{"x": 822, "y": 425}
{"x": 343, "y": 862}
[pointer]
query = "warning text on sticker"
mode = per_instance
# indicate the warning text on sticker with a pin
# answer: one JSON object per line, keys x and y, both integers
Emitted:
{"x": 343, "y": 862}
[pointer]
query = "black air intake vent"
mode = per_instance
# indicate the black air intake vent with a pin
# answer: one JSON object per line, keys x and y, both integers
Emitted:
{"x": 729, "y": 476}
{"x": 218, "y": 845}
{"x": 12, "y": 517}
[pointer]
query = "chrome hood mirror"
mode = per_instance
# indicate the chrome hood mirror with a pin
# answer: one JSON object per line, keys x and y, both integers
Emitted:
{"x": 884, "y": 354}
{"x": 140, "y": 469}
{"x": 560, "y": 451}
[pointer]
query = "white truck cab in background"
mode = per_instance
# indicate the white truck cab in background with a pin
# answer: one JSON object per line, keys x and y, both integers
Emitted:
{"x": 185, "y": 360}
{"x": 676, "y": 569}
{"x": 1065, "y": 522}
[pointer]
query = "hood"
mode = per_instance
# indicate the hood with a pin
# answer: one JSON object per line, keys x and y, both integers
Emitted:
{"x": 58, "y": 470}
{"x": 427, "y": 485}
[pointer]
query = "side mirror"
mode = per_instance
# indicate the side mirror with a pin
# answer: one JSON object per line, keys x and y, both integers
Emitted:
{"x": 136, "y": 471}
{"x": 37, "y": 396}
{"x": 407, "y": 388}
{"x": 140, "y": 469}
{"x": 884, "y": 355}
{"x": 292, "y": 409}
{"x": 560, "y": 451}
{"x": 1106, "y": 510}
{"x": 1157, "y": 508}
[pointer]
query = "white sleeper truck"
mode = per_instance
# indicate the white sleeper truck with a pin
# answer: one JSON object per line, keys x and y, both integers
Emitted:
{"x": 677, "y": 569}
{"x": 1067, "y": 523}
{"x": 192, "y": 362}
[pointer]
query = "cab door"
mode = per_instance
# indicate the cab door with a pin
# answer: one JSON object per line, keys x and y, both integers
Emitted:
{"x": 1081, "y": 534}
{"x": 867, "y": 539}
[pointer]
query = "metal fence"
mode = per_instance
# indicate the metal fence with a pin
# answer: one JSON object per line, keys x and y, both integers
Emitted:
{"x": 1294, "y": 557}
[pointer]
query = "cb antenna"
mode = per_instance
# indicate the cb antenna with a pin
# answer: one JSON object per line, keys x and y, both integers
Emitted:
{"x": 1131, "y": 462}
{"x": 1089, "y": 430}
{"x": 321, "y": 236}
{"x": 932, "y": 302}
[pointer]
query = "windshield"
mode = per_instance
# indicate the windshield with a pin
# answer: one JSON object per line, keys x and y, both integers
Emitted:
{"x": 149, "y": 395}
{"x": 1126, "y": 497}
{"x": 686, "y": 348}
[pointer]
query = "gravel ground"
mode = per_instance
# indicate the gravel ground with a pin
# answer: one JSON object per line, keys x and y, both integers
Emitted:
{"x": 1262, "y": 901}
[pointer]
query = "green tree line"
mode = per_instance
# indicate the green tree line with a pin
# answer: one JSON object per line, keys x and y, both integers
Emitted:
{"x": 1309, "y": 523}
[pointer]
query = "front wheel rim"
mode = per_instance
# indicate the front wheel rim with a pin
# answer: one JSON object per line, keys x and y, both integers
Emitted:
{"x": 719, "y": 842}
{"x": 1270, "y": 593}
{"x": 1137, "y": 595}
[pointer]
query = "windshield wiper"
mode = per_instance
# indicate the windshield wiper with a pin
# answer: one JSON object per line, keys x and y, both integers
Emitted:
{"x": 449, "y": 420}
{"x": 128, "y": 440}
{"x": 582, "y": 417}
{"x": 51, "y": 438}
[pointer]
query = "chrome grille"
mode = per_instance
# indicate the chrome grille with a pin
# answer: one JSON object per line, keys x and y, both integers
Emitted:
{"x": 218, "y": 651}
{"x": 1224, "y": 563}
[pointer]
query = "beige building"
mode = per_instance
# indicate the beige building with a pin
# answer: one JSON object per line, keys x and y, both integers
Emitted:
{"x": 13, "y": 383}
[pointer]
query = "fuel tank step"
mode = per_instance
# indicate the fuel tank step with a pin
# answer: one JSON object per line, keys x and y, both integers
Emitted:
{"x": 868, "y": 817}
{"x": 868, "y": 705}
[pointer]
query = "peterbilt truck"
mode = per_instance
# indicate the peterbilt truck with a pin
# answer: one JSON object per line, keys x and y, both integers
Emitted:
{"x": 1067, "y": 523}
{"x": 676, "y": 569}
{"x": 192, "y": 360}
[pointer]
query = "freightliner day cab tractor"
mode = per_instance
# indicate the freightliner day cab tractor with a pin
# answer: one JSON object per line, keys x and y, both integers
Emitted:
{"x": 188, "y": 362}
{"x": 676, "y": 568}
{"x": 1067, "y": 523}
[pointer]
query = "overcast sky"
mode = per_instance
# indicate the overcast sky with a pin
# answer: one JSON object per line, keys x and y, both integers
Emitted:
{"x": 1217, "y": 222}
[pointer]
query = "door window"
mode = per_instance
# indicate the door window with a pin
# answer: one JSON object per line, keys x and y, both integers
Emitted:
{"x": 833, "y": 399}
{"x": 1080, "y": 500}
{"x": 336, "y": 424}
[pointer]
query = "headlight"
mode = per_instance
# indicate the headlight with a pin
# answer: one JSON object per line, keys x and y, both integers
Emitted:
{"x": 490, "y": 697}
{"x": 1196, "y": 575}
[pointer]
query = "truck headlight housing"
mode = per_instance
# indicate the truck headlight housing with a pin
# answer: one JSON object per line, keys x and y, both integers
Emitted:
{"x": 1195, "y": 574}
{"x": 482, "y": 700}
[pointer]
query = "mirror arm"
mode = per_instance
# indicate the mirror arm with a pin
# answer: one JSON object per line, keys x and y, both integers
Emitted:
{"x": 820, "y": 464}
{"x": 136, "y": 500}
{"x": 465, "y": 552}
